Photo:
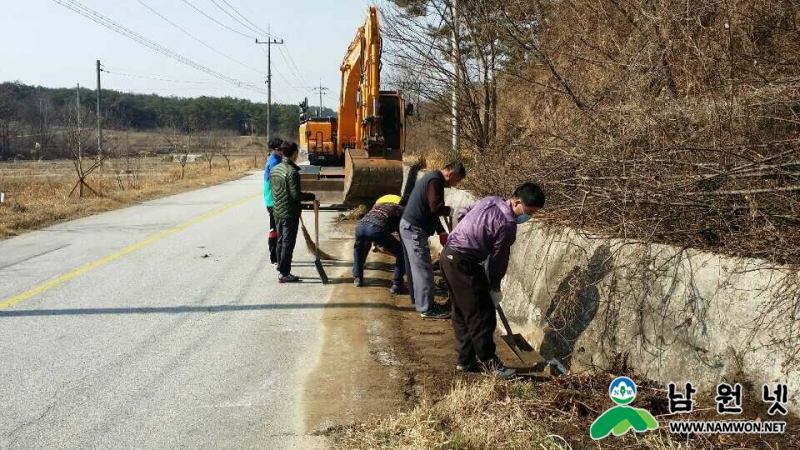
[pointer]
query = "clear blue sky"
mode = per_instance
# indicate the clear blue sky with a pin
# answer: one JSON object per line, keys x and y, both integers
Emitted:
{"x": 46, "y": 44}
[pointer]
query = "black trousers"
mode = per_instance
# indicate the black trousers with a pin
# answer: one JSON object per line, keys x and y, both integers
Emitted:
{"x": 473, "y": 313}
{"x": 273, "y": 238}
{"x": 287, "y": 236}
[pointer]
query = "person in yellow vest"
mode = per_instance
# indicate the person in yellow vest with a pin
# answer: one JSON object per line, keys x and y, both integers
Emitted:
{"x": 386, "y": 199}
{"x": 389, "y": 198}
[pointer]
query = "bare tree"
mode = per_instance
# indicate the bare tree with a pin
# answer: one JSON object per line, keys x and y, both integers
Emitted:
{"x": 225, "y": 153}
{"x": 181, "y": 145}
{"x": 440, "y": 46}
{"x": 128, "y": 175}
{"x": 44, "y": 128}
{"x": 7, "y": 128}
{"x": 75, "y": 137}
{"x": 210, "y": 144}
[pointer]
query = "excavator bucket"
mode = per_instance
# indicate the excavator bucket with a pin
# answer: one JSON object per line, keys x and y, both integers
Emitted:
{"x": 368, "y": 178}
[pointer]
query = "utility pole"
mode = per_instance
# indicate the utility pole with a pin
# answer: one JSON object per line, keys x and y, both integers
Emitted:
{"x": 99, "y": 124}
{"x": 456, "y": 78}
{"x": 270, "y": 42}
{"x": 321, "y": 90}
{"x": 80, "y": 148}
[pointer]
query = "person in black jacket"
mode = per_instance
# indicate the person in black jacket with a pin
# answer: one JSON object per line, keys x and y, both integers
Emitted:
{"x": 420, "y": 220}
{"x": 286, "y": 194}
{"x": 377, "y": 227}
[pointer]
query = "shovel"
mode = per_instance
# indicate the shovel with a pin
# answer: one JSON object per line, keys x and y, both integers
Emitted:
{"x": 317, "y": 262}
{"x": 517, "y": 343}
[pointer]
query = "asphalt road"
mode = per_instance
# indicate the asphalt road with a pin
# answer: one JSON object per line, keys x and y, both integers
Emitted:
{"x": 157, "y": 326}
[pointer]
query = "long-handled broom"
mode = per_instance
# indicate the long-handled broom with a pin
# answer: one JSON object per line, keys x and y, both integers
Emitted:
{"x": 312, "y": 247}
{"x": 320, "y": 270}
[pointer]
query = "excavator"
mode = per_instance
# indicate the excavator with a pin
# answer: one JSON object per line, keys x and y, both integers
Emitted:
{"x": 356, "y": 157}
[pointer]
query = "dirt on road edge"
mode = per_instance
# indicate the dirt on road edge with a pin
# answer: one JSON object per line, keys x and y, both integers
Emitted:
{"x": 378, "y": 356}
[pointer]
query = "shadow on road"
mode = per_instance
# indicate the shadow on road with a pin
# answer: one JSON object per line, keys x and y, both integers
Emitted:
{"x": 370, "y": 265}
{"x": 196, "y": 309}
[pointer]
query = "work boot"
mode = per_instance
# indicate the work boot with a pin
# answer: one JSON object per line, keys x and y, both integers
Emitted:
{"x": 498, "y": 369}
{"x": 436, "y": 312}
{"x": 357, "y": 282}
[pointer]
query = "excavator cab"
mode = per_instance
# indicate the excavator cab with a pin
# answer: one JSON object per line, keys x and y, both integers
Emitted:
{"x": 318, "y": 141}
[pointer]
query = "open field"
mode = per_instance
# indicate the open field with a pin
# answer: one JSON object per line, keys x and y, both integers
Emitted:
{"x": 37, "y": 194}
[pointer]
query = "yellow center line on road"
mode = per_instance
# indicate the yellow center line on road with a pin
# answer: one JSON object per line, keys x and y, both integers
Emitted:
{"x": 6, "y": 303}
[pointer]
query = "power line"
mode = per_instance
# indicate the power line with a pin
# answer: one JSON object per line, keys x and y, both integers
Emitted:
{"x": 255, "y": 28}
{"x": 237, "y": 20}
{"x": 77, "y": 7}
{"x": 217, "y": 21}
{"x": 197, "y": 39}
{"x": 246, "y": 19}
{"x": 144, "y": 77}
{"x": 280, "y": 74}
{"x": 157, "y": 78}
{"x": 297, "y": 72}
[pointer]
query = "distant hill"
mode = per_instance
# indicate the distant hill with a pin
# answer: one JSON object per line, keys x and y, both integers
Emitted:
{"x": 32, "y": 113}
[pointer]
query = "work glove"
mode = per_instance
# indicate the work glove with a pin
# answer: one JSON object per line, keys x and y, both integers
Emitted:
{"x": 496, "y": 296}
{"x": 443, "y": 238}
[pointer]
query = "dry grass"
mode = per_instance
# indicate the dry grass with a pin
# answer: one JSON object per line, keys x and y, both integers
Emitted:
{"x": 37, "y": 194}
{"x": 493, "y": 414}
{"x": 488, "y": 414}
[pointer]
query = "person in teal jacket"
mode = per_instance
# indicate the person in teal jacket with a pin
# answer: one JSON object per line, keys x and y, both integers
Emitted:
{"x": 274, "y": 159}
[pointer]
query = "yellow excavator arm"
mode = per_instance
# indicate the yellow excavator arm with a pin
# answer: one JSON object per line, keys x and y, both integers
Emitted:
{"x": 370, "y": 127}
{"x": 360, "y": 88}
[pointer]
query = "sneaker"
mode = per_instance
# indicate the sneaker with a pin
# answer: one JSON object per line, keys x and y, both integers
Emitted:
{"x": 274, "y": 263}
{"x": 288, "y": 279}
{"x": 498, "y": 369}
{"x": 436, "y": 312}
{"x": 397, "y": 290}
{"x": 357, "y": 282}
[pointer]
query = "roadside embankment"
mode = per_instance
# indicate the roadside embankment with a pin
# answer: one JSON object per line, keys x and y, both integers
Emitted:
{"x": 680, "y": 315}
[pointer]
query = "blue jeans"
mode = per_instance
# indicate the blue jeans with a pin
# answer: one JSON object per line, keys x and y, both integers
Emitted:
{"x": 366, "y": 234}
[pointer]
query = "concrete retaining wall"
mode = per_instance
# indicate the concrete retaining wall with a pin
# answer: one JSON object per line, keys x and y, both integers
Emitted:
{"x": 679, "y": 315}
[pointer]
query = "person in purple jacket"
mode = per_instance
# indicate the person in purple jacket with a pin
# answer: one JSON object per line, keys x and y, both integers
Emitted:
{"x": 485, "y": 231}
